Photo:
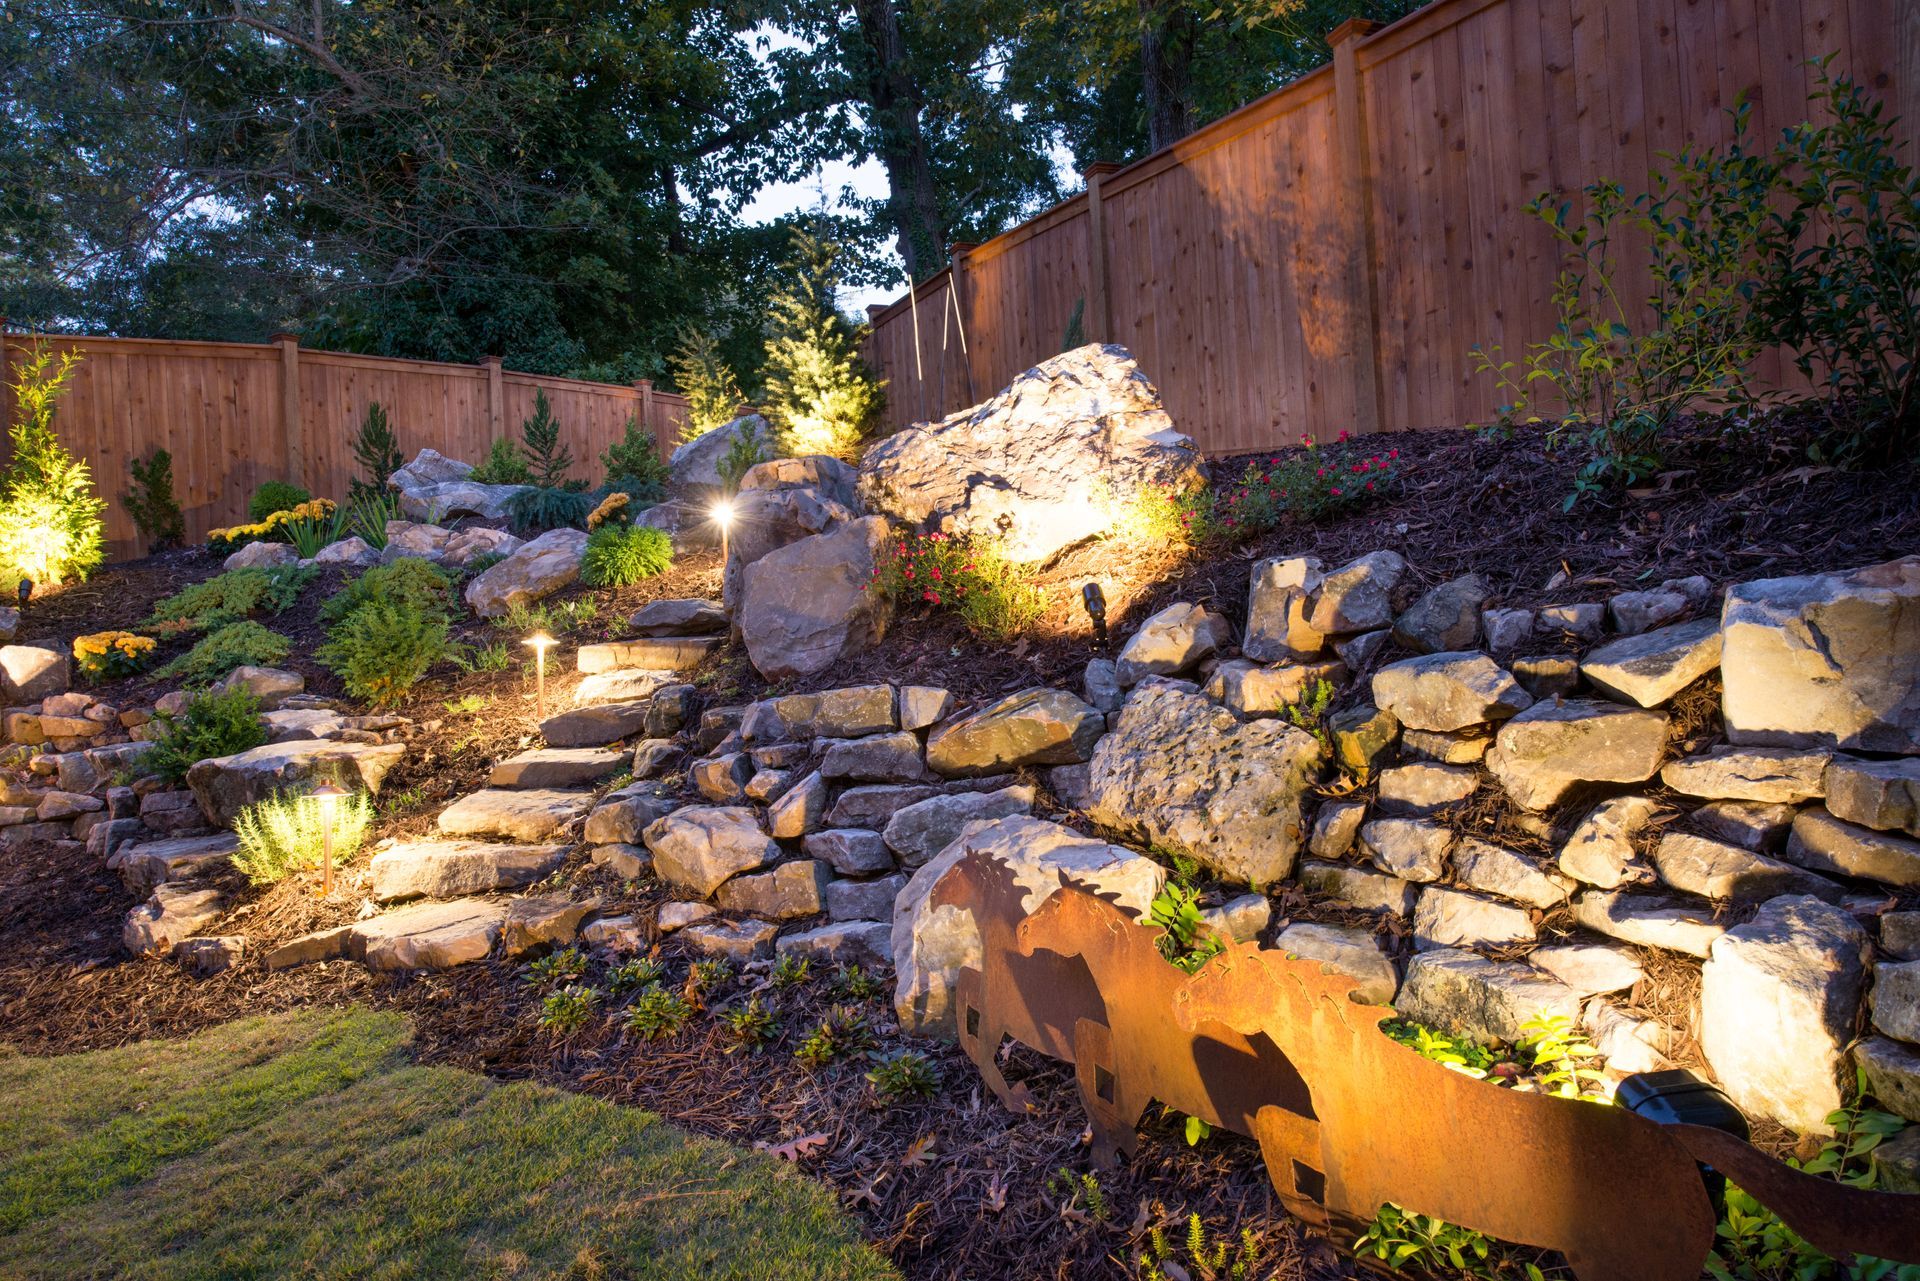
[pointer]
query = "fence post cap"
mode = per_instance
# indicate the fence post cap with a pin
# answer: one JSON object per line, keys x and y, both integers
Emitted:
{"x": 1352, "y": 29}
{"x": 285, "y": 337}
{"x": 1100, "y": 169}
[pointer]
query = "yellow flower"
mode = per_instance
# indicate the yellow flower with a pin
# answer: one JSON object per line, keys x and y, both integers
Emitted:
{"x": 609, "y": 507}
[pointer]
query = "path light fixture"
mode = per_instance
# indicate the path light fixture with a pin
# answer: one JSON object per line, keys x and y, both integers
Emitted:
{"x": 327, "y": 797}
{"x": 540, "y": 642}
{"x": 26, "y": 592}
{"x": 1096, "y": 603}
{"x": 722, "y": 514}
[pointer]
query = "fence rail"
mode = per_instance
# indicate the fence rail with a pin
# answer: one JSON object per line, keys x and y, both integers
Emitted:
{"x": 236, "y": 414}
{"x": 1325, "y": 257}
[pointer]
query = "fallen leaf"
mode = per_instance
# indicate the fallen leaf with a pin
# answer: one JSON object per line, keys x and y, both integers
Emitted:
{"x": 796, "y": 1149}
{"x": 919, "y": 1152}
{"x": 1174, "y": 1272}
{"x": 996, "y": 1198}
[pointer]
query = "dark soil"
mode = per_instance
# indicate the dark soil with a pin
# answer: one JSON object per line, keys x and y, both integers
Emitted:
{"x": 952, "y": 1187}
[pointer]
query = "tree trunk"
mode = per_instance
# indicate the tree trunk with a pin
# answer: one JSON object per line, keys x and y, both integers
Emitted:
{"x": 1167, "y": 36}
{"x": 895, "y": 102}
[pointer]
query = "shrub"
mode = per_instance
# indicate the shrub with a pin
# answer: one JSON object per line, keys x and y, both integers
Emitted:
{"x": 819, "y": 395}
{"x": 151, "y": 503}
{"x": 904, "y": 1074}
{"x": 536, "y": 510}
{"x": 411, "y": 581}
{"x": 51, "y": 526}
{"x": 233, "y": 645}
{"x": 275, "y": 496}
{"x": 752, "y": 1026}
{"x": 633, "y": 462}
{"x": 1844, "y": 260}
{"x": 367, "y": 517}
{"x": 213, "y": 723}
{"x": 563, "y": 966}
{"x": 747, "y": 449}
{"x": 503, "y": 465}
{"x": 970, "y": 578}
{"x": 108, "y": 655}
{"x": 547, "y": 457}
{"x": 287, "y": 833}
{"x": 844, "y": 1031}
{"x": 621, "y": 555}
{"x": 657, "y": 1013}
{"x": 568, "y": 1009}
{"x": 382, "y": 649}
{"x": 712, "y": 392}
{"x": 633, "y": 974}
{"x": 229, "y": 597}
{"x": 377, "y": 451}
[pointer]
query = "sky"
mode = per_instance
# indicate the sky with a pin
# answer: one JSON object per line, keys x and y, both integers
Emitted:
{"x": 868, "y": 180}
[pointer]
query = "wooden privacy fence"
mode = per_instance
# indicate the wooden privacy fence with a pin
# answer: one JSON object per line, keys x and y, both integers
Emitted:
{"x": 236, "y": 414}
{"x": 1325, "y": 257}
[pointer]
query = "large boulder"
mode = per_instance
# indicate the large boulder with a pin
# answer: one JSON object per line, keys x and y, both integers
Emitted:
{"x": 931, "y": 944}
{"x": 1183, "y": 774}
{"x": 693, "y": 472}
{"x": 810, "y": 604}
{"x": 1778, "y": 997}
{"x": 457, "y": 498}
{"x": 225, "y": 785}
{"x": 781, "y": 502}
{"x": 1826, "y": 660}
{"x": 1033, "y": 727}
{"x": 1553, "y": 749}
{"x": 538, "y": 569}
{"x": 429, "y": 467}
{"x": 1050, "y": 462}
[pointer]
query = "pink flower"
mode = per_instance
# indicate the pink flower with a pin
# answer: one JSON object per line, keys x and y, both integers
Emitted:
{"x": 1335, "y": 491}
{"x": 932, "y": 596}
{"x": 1393, "y": 453}
{"x": 1344, "y": 433}
{"x": 1369, "y": 486}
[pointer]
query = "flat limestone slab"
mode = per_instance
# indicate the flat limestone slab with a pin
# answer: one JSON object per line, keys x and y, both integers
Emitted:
{"x": 649, "y": 653}
{"x": 547, "y": 767}
{"x": 430, "y": 936}
{"x": 531, "y": 815}
{"x": 448, "y": 869}
{"x": 153, "y": 863}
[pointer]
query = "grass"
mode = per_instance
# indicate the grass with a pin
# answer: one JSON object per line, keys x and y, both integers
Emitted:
{"x": 310, "y": 1144}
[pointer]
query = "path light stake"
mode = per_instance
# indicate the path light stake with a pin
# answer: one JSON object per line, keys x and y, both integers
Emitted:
{"x": 1096, "y": 603}
{"x": 26, "y": 592}
{"x": 327, "y": 797}
{"x": 722, "y": 513}
{"x": 540, "y": 641}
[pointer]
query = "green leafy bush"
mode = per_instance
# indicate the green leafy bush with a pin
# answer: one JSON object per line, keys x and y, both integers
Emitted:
{"x": 382, "y": 649}
{"x": 1843, "y": 289}
{"x": 844, "y": 1031}
{"x": 232, "y": 645}
{"x": 972, "y": 579}
{"x": 367, "y": 517}
{"x": 51, "y": 522}
{"x": 657, "y": 1013}
{"x": 287, "y": 833}
{"x": 747, "y": 449}
{"x": 633, "y": 463}
{"x": 229, "y": 597}
{"x": 621, "y": 555}
{"x": 712, "y": 392}
{"x": 548, "y": 457}
{"x": 562, "y": 966}
{"x": 904, "y": 1074}
{"x": 752, "y": 1026}
{"x": 275, "y": 496}
{"x": 536, "y": 510}
{"x": 377, "y": 451}
{"x": 411, "y": 581}
{"x": 568, "y": 1009}
{"x": 1184, "y": 939}
{"x": 820, "y": 397}
{"x": 213, "y": 723}
{"x": 152, "y": 504}
{"x": 503, "y": 465}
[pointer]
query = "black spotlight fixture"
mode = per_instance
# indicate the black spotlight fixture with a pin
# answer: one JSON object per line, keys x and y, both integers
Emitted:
{"x": 26, "y": 592}
{"x": 1096, "y": 603}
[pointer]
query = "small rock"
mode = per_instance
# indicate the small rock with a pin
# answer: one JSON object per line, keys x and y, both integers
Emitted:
{"x": 768, "y": 785}
{"x": 1492, "y": 869}
{"x": 1071, "y": 785}
{"x": 850, "y": 851}
{"x": 1716, "y": 870}
{"x": 151, "y": 863}
{"x": 1448, "y": 749}
{"x": 1647, "y": 921}
{"x": 1547, "y": 676}
{"x": 1101, "y": 685}
{"x": 1344, "y": 950}
{"x": 1896, "y": 999}
{"x": 722, "y": 779}
{"x": 1878, "y": 794}
{"x": 1753, "y": 825}
{"x": 537, "y": 922}
{"x": 1446, "y": 619}
{"x": 628, "y": 862}
{"x": 1033, "y": 727}
{"x": 1795, "y": 970}
{"x": 29, "y": 673}
{"x": 620, "y": 935}
{"x": 1823, "y": 843}
{"x": 1637, "y": 612}
{"x": 1358, "y": 597}
{"x": 1896, "y": 1163}
{"x": 867, "y": 943}
{"x": 1252, "y": 690}
{"x": 919, "y": 831}
{"x": 621, "y": 686}
{"x": 1450, "y": 918}
{"x": 1462, "y": 994}
{"x": 269, "y": 685}
{"x": 1589, "y": 968}
{"x": 1900, "y": 935}
{"x": 1169, "y": 643}
{"x": 673, "y": 706}
{"x": 1242, "y": 919}
{"x": 700, "y": 847}
{"x": 880, "y": 758}
{"x": 1750, "y": 774}
{"x": 1650, "y": 668}
{"x": 624, "y": 815}
{"x": 1356, "y": 887}
{"x": 205, "y": 957}
{"x": 736, "y": 941}
{"x": 260, "y": 555}
{"x": 853, "y": 712}
{"x": 1583, "y": 622}
{"x": 789, "y": 891}
{"x": 1892, "y": 1073}
{"x": 1506, "y": 629}
{"x": 430, "y": 936}
{"x": 1550, "y": 750}
{"x": 1279, "y": 600}
{"x": 800, "y": 809}
{"x": 1414, "y": 849}
{"x": 1358, "y": 652}
{"x": 1335, "y": 827}
{"x": 1363, "y": 737}
{"x": 1423, "y": 788}
{"x": 1448, "y": 691}
{"x": 923, "y": 706}
{"x": 1626, "y": 1043}
{"x": 864, "y": 900}
{"x": 173, "y": 913}
{"x": 653, "y": 757}
{"x": 875, "y": 805}
{"x": 225, "y": 785}
{"x": 677, "y": 916}
{"x": 1599, "y": 850}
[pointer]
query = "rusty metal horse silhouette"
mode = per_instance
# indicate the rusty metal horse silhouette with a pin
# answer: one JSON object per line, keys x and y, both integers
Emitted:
{"x": 1269, "y": 1045}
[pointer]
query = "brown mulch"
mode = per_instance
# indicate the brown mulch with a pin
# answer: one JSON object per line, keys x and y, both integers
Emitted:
{"x": 982, "y": 1198}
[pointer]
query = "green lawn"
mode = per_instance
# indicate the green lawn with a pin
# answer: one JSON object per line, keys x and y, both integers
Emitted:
{"x": 310, "y": 1145}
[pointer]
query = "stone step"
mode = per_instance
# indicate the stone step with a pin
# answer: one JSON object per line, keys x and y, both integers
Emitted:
{"x": 621, "y": 685}
{"x": 651, "y": 653}
{"x": 152, "y": 863}
{"x": 680, "y": 618}
{"x": 532, "y": 815}
{"x": 423, "y": 936}
{"x": 450, "y": 869}
{"x": 557, "y": 767}
{"x": 595, "y": 726}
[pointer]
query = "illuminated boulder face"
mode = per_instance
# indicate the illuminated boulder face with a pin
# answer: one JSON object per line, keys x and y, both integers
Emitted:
{"x": 1052, "y": 461}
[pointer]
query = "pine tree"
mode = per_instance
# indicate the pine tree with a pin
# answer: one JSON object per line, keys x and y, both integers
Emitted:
{"x": 547, "y": 457}
{"x": 152, "y": 504}
{"x": 820, "y": 396}
{"x": 50, "y": 520}
{"x": 712, "y": 392}
{"x": 377, "y": 451}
